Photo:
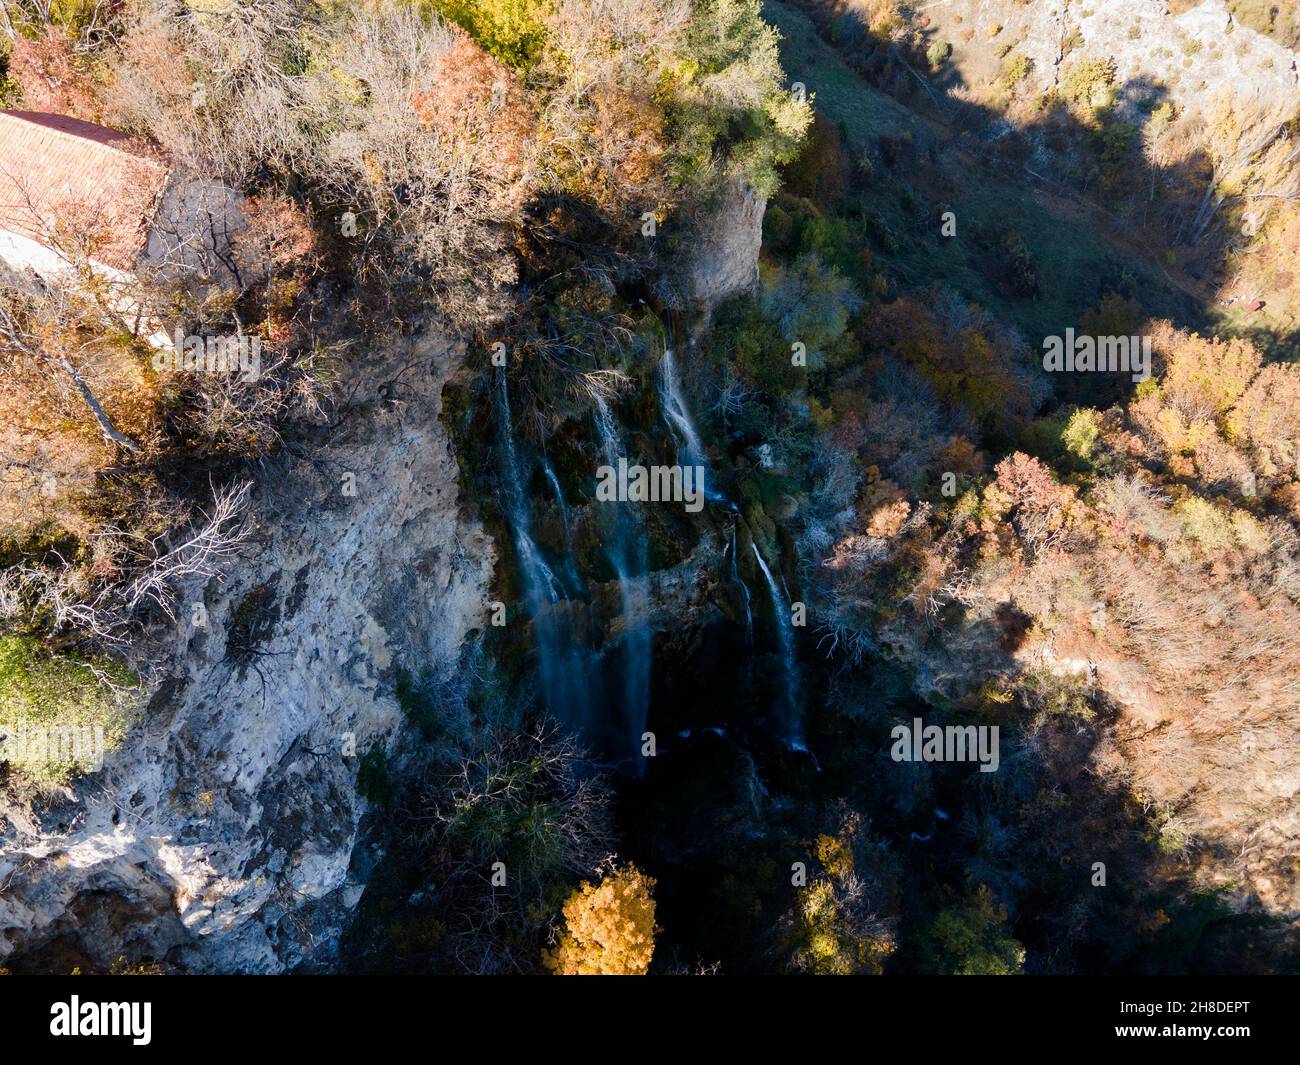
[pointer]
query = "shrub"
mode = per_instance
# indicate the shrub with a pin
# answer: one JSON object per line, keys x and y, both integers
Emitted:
{"x": 521, "y": 800}
{"x": 969, "y": 939}
{"x": 373, "y": 781}
{"x": 1088, "y": 83}
{"x": 833, "y": 928}
{"x": 511, "y": 30}
{"x": 1019, "y": 271}
{"x": 1015, "y": 68}
{"x": 414, "y": 698}
{"x": 1252, "y": 534}
{"x": 497, "y": 836}
{"x": 821, "y": 171}
{"x": 938, "y": 53}
{"x": 754, "y": 343}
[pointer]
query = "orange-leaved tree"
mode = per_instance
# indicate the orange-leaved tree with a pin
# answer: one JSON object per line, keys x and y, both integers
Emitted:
{"x": 609, "y": 927}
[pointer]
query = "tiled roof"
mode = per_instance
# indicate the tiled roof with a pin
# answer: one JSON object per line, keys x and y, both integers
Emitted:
{"x": 56, "y": 170}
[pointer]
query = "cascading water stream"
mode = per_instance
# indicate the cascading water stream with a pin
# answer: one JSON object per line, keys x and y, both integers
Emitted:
{"x": 690, "y": 450}
{"x": 737, "y": 579}
{"x": 563, "y": 687}
{"x": 570, "y": 562}
{"x": 539, "y": 580}
{"x": 559, "y": 497}
{"x": 627, "y": 553}
{"x": 679, "y": 416}
{"x": 790, "y": 666}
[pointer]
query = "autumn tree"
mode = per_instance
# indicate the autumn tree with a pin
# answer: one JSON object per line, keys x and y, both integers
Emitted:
{"x": 422, "y": 137}
{"x": 218, "y": 88}
{"x": 968, "y": 358}
{"x": 609, "y": 928}
{"x": 55, "y": 352}
{"x": 1266, "y": 420}
{"x": 603, "y": 123}
{"x": 275, "y": 253}
{"x": 835, "y": 927}
{"x": 969, "y": 938}
{"x": 52, "y": 76}
{"x": 512, "y": 31}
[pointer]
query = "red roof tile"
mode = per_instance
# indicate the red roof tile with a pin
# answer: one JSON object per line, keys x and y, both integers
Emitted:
{"x": 60, "y": 171}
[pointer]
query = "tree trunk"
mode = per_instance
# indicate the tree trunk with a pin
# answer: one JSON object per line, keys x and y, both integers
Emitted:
{"x": 106, "y": 425}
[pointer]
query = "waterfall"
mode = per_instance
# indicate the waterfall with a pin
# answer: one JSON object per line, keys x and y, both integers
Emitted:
{"x": 563, "y": 686}
{"x": 679, "y": 415}
{"x": 570, "y": 562}
{"x": 737, "y": 579}
{"x": 790, "y": 667}
{"x": 539, "y": 580}
{"x": 690, "y": 450}
{"x": 627, "y": 553}
{"x": 559, "y": 497}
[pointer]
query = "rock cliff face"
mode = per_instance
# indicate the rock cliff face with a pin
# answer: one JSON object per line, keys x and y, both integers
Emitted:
{"x": 721, "y": 258}
{"x": 228, "y": 834}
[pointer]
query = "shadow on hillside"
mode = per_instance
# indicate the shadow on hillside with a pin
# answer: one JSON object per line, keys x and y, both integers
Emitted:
{"x": 1075, "y": 201}
{"x": 719, "y": 821}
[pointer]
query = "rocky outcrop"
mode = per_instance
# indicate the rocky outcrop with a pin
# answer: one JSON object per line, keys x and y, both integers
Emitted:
{"x": 228, "y": 833}
{"x": 1192, "y": 56}
{"x": 1192, "y": 59}
{"x": 721, "y": 256}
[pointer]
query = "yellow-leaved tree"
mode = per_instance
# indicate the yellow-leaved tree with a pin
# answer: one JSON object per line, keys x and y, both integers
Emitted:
{"x": 609, "y": 927}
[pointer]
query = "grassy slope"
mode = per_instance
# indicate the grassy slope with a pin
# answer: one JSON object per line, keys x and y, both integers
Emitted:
{"x": 1075, "y": 262}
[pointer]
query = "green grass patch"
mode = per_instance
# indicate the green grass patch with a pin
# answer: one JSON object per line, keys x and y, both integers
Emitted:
{"x": 60, "y": 714}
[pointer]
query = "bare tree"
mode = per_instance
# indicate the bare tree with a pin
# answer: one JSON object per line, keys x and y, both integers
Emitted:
{"x": 89, "y": 29}
{"x": 425, "y": 139}
{"x": 67, "y": 354}
{"x": 218, "y": 87}
{"x": 151, "y": 573}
